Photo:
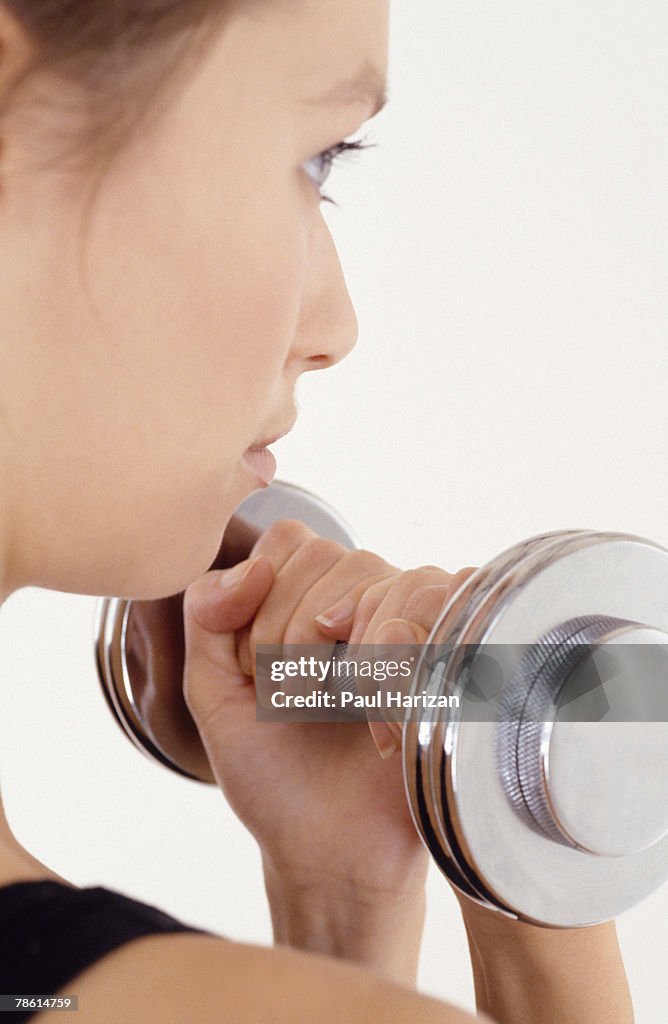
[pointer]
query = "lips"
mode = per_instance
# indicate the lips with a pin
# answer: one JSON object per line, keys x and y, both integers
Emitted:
{"x": 260, "y": 460}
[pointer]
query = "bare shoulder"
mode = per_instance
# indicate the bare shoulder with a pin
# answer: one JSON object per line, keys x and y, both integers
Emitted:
{"x": 179, "y": 977}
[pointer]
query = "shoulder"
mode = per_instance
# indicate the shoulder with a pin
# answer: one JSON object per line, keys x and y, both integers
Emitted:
{"x": 188, "y": 976}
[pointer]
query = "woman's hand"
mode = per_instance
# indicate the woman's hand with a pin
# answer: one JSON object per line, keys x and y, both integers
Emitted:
{"x": 330, "y": 816}
{"x": 321, "y": 804}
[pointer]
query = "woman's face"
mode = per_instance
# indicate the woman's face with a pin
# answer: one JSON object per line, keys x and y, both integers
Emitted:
{"x": 138, "y": 365}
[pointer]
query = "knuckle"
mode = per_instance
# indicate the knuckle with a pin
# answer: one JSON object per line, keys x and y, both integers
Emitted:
{"x": 413, "y": 578}
{"x": 432, "y": 570}
{"x": 298, "y": 632}
{"x": 286, "y": 532}
{"x": 367, "y": 562}
{"x": 410, "y": 578}
{"x": 427, "y": 575}
{"x": 426, "y": 598}
{"x": 320, "y": 549}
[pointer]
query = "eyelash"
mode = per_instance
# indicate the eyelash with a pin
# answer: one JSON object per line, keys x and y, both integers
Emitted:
{"x": 334, "y": 153}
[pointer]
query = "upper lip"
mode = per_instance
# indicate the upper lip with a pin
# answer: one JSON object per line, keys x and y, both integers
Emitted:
{"x": 275, "y": 437}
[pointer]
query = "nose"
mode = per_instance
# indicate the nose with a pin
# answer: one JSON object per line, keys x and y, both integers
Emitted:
{"x": 327, "y": 330}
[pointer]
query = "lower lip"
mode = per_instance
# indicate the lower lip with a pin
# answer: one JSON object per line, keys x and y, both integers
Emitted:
{"x": 262, "y": 462}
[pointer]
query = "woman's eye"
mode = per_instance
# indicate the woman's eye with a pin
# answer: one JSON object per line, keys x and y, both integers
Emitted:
{"x": 318, "y": 167}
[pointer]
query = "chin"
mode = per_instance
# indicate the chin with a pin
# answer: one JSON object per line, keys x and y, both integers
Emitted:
{"x": 165, "y": 566}
{"x": 172, "y": 578}
{"x": 174, "y": 548}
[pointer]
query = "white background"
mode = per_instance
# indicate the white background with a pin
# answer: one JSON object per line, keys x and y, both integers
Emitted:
{"x": 505, "y": 246}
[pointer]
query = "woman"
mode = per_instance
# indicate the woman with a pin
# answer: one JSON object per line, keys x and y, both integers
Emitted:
{"x": 166, "y": 278}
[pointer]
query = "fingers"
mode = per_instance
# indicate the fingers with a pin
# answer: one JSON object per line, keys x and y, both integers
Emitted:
{"x": 419, "y": 595}
{"x": 420, "y": 612}
{"x": 382, "y": 602}
{"x": 367, "y": 571}
{"x": 425, "y": 605}
{"x": 278, "y": 543}
{"x": 309, "y": 561}
{"x": 387, "y": 735}
{"x": 216, "y": 605}
{"x": 413, "y": 625}
{"x": 274, "y": 596}
{"x": 317, "y": 572}
{"x": 338, "y": 620}
{"x": 281, "y": 539}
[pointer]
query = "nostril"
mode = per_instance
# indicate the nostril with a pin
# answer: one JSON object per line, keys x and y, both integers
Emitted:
{"x": 322, "y": 361}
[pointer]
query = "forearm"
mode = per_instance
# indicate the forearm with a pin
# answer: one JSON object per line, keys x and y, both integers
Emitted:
{"x": 524, "y": 974}
{"x": 384, "y": 937}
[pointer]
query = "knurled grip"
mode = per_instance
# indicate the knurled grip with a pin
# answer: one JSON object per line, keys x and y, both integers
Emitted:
{"x": 531, "y": 702}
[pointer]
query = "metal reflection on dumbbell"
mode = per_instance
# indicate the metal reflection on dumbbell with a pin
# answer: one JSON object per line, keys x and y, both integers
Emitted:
{"x": 527, "y": 812}
{"x": 543, "y": 815}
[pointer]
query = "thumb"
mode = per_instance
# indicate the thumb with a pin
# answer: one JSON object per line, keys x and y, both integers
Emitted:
{"x": 214, "y": 606}
{"x": 387, "y": 736}
{"x": 224, "y": 600}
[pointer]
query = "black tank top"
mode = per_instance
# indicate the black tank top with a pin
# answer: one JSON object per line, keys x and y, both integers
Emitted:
{"x": 49, "y": 932}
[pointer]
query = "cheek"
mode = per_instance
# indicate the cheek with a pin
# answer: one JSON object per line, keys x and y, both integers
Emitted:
{"x": 196, "y": 298}
{"x": 258, "y": 295}
{"x": 201, "y": 295}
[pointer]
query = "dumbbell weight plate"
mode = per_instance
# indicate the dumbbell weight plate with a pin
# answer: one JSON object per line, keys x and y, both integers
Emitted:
{"x": 423, "y": 743}
{"x": 282, "y": 500}
{"x": 498, "y": 580}
{"x": 524, "y": 870}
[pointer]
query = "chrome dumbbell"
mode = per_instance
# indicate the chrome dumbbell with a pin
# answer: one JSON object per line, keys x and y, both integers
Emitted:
{"x": 536, "y": 808}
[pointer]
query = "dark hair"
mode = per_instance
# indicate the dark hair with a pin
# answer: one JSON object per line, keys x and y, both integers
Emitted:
{"x": 115, "y": 55}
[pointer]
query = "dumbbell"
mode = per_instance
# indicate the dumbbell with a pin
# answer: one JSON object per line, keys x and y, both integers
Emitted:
{"x": 541, "y": 795}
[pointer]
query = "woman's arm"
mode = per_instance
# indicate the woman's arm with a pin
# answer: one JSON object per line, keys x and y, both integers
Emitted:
{"x": 524, "y": 973}
{"x": 383, "y": 935}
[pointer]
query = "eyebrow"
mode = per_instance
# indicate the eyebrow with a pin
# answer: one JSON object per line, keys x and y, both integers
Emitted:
{"x": 366, "y": 86}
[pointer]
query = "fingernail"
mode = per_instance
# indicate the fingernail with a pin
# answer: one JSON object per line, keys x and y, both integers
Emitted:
{"x": 386, "y": 743}
{"x": 338, "y": 613}
{"x": 232, "y": 577}
{"x": 395, "y": 631}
